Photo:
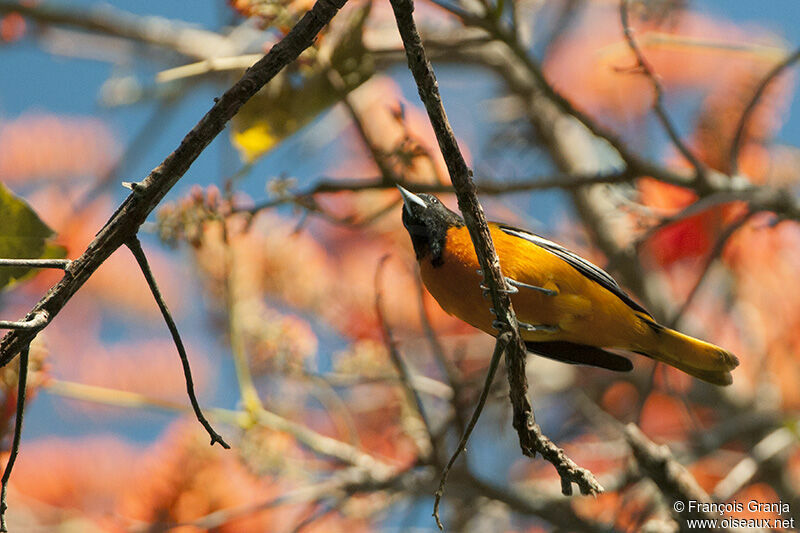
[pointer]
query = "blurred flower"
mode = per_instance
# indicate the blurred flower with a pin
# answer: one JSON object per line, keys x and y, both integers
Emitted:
{"x": 53, "y": 147}
{"x": 184, "y": 479}
{"x": 12, "y": 27}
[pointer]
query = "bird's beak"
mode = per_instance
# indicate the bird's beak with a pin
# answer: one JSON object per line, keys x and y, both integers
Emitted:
{"x": 411, "y": 198}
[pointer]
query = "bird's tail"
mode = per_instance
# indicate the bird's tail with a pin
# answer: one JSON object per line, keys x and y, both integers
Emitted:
{"x": 700, "y": 359}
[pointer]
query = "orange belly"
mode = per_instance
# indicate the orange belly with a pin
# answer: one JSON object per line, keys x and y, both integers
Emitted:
{"x": 583, "y": 311}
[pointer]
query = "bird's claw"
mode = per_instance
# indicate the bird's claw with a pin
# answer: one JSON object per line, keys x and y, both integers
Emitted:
{"x": 510, "y": 290}
{"x": 543, "y": 328}
{"x": 516, "y": 285}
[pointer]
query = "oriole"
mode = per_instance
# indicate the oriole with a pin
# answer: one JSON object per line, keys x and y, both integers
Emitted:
{"x": 568, "y": 309}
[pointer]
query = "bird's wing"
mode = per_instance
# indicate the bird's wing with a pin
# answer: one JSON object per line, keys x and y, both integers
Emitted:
{"x": 580, "y": 354}
{"x": 591, "y": 271}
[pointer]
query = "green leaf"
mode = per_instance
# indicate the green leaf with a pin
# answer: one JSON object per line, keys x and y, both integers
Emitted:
{"x": 23, "y": 235}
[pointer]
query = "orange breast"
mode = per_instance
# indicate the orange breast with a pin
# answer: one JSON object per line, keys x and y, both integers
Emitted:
{"x": 583, "y": 310}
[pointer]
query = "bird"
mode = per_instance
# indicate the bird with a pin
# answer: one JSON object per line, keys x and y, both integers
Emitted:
{"x": 568, "y": 309}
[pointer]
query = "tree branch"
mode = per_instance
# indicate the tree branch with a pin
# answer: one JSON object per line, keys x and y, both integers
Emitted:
{"x": 499, "y": 350}
{"x": 531, "y": 439}
{"x": 22, "y": 384}
{"x": 35, "y": 321}
{"x": 412, "y": 394}
{"x": 136, "y": 249}
{"x": 179, "y": 37}
{"x": 736, "y": 145}
{"x": 564, "y": 181}
{"x": 672, "y": 479}
{"x": 125, "y": 222}
{"x": 61, "y": 264}
{"x": 658, "y": 103}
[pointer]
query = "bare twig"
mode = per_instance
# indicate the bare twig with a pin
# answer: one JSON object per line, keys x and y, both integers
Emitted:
{"x": 447, "y": 366}
{"x": 339, "y": 85}
{"x": 39, "y": 320}
{"x": 136, "y": 249}
{"x": 317, "y": 442}
{"x": 702, "y": 204}
{"x": 324, "y": 445}
{"x": 412, "y": 394}
{"x": 344, "y": 482}
{"x": 322, "y": 509}
{"x": 132, "y": 213}
{"x": 658, "y": 103}
{"x": 531, "y": 439}
{"x": 673, "y": 480}
{"x": 328, "y": 186}
{"x": 20, "y": 411}
{"x": 736, "y": 145}
{"x": 775, "y": 444}
{"x": 713, "y": 255}
{"x": 499, "y": 349}
{"x": 173, "y": 35}
{"x": 36, "y": 263}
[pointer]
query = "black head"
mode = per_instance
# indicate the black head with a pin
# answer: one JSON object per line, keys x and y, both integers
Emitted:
{"x": 427, "y": 221}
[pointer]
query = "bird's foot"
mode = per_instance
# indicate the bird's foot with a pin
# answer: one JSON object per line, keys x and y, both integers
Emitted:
{"x": 542, "y": 328}
{"x": 515, "y": 286}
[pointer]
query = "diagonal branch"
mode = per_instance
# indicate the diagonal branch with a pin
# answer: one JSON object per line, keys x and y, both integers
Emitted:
{"x": 32, "y": 323}
{"x": 499, "y": 350}
{"x": 412, "y": 393}
{"x": 131, "y": 214}
{"x": 136, "y": 249}
{"x": 565, "y": 181}
{"x": 61, "y": 264}
{"x": 736, "y": 145}
{"x": 673, "y": 480}
{"x": 658, "y": 103}
{"x": 106, "y": 20}
{"x": 530, "y": 436}
{"x": 12, "y": 457}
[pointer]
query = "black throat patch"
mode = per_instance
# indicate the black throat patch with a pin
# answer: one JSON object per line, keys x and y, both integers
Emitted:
{"x": 428, "y": 229}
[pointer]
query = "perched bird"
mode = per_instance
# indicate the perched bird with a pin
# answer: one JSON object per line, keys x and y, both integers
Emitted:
{"x": 568, "y": 309}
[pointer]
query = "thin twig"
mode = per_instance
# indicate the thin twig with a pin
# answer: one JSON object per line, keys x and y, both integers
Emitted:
{"x": 412, "y": 394}
{"x": 777, "y": 443}
{"x": 499, "y": 349}
{"x": 658, "y": 103}
{"x": 251, "y": 401}
{"x": 673, "y": 480}
{"x": 447, "y": 366}
{"x": 713, "y": 255}
{"x": 736, "y": 145}
{"x": 335, "y": 78}
{"x": 322, "y": 510}
{"x": 34, "y": 324}
{"x": 530, "y": 436}
{"x": 12, "y": 457}
{"x": 136, "y": 249}
{"x": 495, "y": 187}
{"x": 346, "y": 481}
{"x": 177, "y": 36}
{"x": 317, "y": 442}
{"x": 133, "y": 212}
{"x": 36, "y": 263}
{"x": 702, "y": 204}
